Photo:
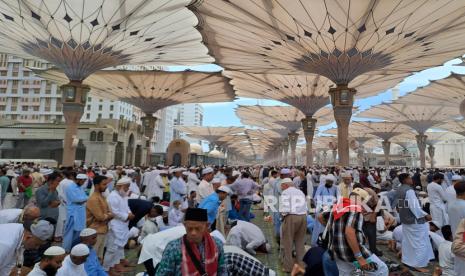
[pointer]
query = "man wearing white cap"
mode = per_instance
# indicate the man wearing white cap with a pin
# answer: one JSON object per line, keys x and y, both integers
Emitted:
{"x": 293, "y": 209}
{"x": 205, "y": 188}
{"x": 178, "y": 187}
{"x": 73, "y": 264}
{"x": 326, "y": 194}
{"x": 62, "y": 187}
{"x": 92, "y": 265}
{"x": 118, "y": 233}
{"x": 192, "y": 180}
{"x": 212, "y": 203}
{"x": 17, "y": 237}
{"x": 345, "y": 188}
{"x": 49, "y": 263}
{"x": 75, "y": 211}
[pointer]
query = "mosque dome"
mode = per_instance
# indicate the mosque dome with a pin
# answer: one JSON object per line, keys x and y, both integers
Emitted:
{"x": 215, "y": 154}
{"x": 196, "y": 148}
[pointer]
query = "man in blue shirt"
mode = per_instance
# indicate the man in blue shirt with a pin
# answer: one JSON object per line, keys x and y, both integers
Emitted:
{"x": 92, "y": 265}
{"x": 76, "y": 212}
{"x": 212, "y": 203}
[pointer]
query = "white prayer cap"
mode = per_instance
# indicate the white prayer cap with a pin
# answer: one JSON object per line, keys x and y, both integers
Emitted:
{"x": 285, "y": 171}
{"x": 80, "y": 250}
{"x": 163, "y": 172}
{"x": 54, "y": 251}
{"x": 346, "y": 175}
{"x": 236, "y": 173}
{"x": 165, "y": 208}
{"x": 456, "y": 177}
{"x": 185, "y": 173}
{"x": 331, "y": 177}
{"x": 46, "y": 171}
{"x": 177, "y": 170}
{"x": 10, "y": 173}
{"x": 207, "y": 170}
{"x": 225, "y": 189}
{"x": 124, "y": 181}
{"x": 81, "y": 176}
{"x": 87, "y": 232}
{"x": 192, "y": 168}
{"x": 286, "y": 180}
{"x": 216, "y": 180}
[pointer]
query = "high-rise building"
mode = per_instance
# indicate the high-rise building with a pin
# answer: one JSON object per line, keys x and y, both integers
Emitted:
{"x": 166, "y": 130}
{"x": 182, "y": 114}
{"x": 24, "y": 97}
{"x": 188, "y": 115}
{"x": 98, "y": 108}
{"x": 27, "y": 98}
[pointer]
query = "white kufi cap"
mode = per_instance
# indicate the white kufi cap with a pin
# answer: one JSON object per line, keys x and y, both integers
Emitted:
{"x": 80, "y": 250}
{"x": 123, "y": 181}
{"x": 207, "y": 170}
{"x": 81, "y": 176}
{"x": 87, "y": 232}
{"x": 54, "y": 251}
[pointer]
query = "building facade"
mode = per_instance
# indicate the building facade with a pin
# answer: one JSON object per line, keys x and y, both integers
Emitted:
{"x": 188, "y": 115}
{"x": 105, "y": 142}
{"x": 24, "y": 97}
{"x": 166, "y": 129}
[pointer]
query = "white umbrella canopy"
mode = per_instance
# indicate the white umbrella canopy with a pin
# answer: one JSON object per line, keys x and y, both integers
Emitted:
{"x": 272, "y": 117}
{"x": 366, "y": 45}
{"x": 448, "y": 92}
{"x": 454, "y": 126}
{"x": 152, "y": 90}
{"x": 209, "y": 133}
{"x": 340, "y": 40}
{"x": 384, "y": 130}
{"x": 418, "y": 117}
{"x": 81, "y": 37}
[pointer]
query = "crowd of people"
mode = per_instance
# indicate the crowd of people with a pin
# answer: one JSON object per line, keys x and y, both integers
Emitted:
{"x": 198, "y": 220}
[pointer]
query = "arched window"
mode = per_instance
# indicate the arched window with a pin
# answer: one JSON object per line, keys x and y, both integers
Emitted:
{"x": 93, "y": 135}
{"x": 100, "y": 136}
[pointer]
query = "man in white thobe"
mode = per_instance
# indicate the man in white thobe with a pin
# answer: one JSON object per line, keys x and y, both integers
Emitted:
{"x": 437, "y": 200}
{"x": 192, "y": 180}
{"x": 205, "y": 187}
{"x": 73, "y": 265}
{"x": 155, "y": 185}
{"x": 416, "y": 250}
{"x": 118, "y": 233}
{"x": 450, "y": 192}
{"x": 247, "y": 236}
{"x": 178, "y": 187}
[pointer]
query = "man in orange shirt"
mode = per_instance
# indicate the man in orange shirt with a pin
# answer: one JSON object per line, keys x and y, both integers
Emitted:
{"x": 98, "y": 212}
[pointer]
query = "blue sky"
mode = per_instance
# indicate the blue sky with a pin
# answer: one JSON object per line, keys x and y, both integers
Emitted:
{"x": 222, "y": 114}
